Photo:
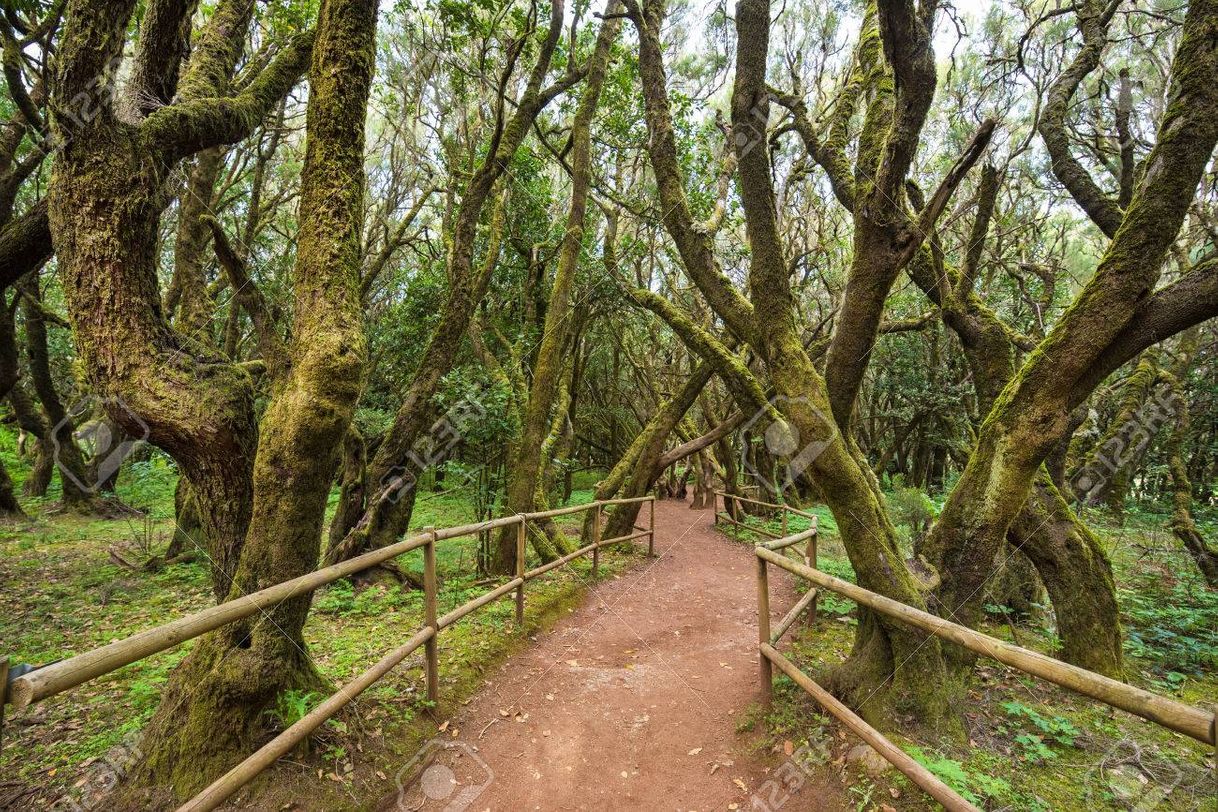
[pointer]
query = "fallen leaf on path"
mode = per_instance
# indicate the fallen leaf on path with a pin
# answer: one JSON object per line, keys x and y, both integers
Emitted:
{"x": 740, "y": 783}
{"x": 788, "y": 747}
{"x": 695, "y": 751}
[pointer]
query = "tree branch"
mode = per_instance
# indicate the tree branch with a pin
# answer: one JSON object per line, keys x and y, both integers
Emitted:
{"x": 1093, "y": 20}
{"x": 189, "y": 126}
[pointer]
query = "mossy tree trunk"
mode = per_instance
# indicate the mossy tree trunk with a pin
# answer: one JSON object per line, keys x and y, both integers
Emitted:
{"x": 392, "y": 470}
{"x": 1183, "y": 526}
{"x": 105, "y": 199}
{"x": 1104, "y": 476}
{"x": 77, "y": 483}
{"x": 212, "y": 711}
{"x": 106, "y": 196}
{"x": 1030, "y": 416}
{"x": 528, "y": 463}
{"x": 637, "y": 477}
{"x": 1067, "y": 557}
{"x": 1182, "y": 523}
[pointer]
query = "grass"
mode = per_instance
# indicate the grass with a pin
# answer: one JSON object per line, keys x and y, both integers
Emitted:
{"x": 1032, "y": 745}
{"x": 64, "y": 594}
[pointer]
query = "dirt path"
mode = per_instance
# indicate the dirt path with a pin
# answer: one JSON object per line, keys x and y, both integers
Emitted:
{"x": 630, "y": 702}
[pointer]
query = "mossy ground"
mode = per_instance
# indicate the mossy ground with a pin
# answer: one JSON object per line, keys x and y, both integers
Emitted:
{"x": 64, "y": 593}
{"x": 1033, "y": 746}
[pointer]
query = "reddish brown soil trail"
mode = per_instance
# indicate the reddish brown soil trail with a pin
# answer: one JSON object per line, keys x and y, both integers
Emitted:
{"x": 632, "y": 701}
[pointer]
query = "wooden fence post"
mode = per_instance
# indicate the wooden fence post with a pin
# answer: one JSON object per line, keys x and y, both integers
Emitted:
{"x": 429, "y": 603}
{"x": 785, "y": 521}
{"x": 596, "y": 539}
{"x": 3, "y": 693}
{"x": 521, "y": 534}
{"x": 715, "y": 508}
{"x": 651, "y": 537}
{"x": 763, "y": 633}
{"x": 811, "y": 556}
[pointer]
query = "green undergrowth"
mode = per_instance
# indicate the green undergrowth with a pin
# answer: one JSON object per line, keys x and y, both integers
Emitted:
{"x": 66, "y": 591}
{"x": 1031, "y": 745}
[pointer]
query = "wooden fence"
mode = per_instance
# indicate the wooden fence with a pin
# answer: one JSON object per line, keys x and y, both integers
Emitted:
{"x": 732, "y": 503}
{"x": 1199, "y": 724}
{"x": 66, "y": 674}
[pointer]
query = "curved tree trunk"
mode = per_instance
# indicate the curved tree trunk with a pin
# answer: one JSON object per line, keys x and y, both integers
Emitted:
{"x": 105, "y": 200}
{"x": 1066, "y": 555}
{"x": 395, "y": 467}
{"x": 1182, "y": 524}
{"x": 637, "y": 476}
{"x": 79, "y": 485}
{"x": 212, "y": 710}
{"x": 1078, "y": 576}
{"x": 353, "y": 482}
{"x": 528, "y": 463}
{"x": 1104, "y": 477}
{"x": 1031, "y": 415}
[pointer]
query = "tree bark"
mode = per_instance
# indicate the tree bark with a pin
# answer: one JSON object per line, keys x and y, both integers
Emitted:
{"x": 212, "y": 710}
{"x": 105, "y": 199}
{"x": 527, "y": 464}
{"x": 1031, "y": 414}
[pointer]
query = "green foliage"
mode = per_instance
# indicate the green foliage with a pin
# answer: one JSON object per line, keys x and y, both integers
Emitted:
{"x": 972, "y": 786}
{"x": 829, "y": 601}
{"x": 1036, "y": 733}
{"x": 291, "y": 706}
{"x": 911, "y": 507}
{"x": 1173, "y": 626}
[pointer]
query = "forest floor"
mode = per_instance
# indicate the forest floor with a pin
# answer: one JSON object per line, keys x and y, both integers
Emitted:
{"x": 675, "y": 712}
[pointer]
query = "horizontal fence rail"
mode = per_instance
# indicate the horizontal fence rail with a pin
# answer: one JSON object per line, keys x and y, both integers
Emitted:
{"x": 732, "y": 505}
{"x": 1183, "y": 718}
{"x": 66, "y": 674}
